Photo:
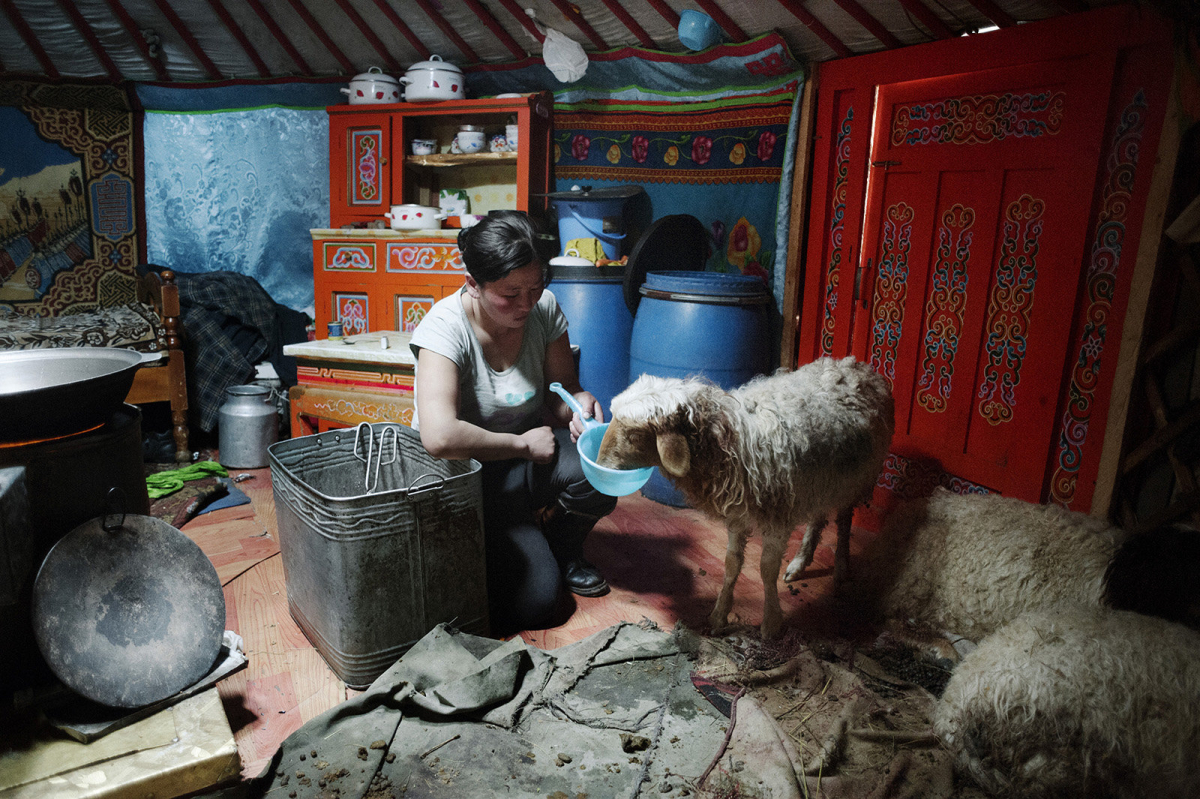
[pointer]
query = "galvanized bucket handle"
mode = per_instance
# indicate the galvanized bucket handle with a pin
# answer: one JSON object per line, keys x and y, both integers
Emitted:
{"x": 416, "y": 490}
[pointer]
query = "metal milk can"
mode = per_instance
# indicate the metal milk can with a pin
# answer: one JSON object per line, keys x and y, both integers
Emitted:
{"x": 247, "y": 424}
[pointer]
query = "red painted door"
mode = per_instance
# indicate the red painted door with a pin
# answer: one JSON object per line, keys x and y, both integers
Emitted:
{"x": 977, "y": 208}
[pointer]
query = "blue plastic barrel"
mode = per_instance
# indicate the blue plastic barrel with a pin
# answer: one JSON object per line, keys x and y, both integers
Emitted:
{"x": 593, "y": 300}
{"x": 699, "y": 323}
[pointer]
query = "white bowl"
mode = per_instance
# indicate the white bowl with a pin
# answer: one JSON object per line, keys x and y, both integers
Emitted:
{"x": 470, "y": 141}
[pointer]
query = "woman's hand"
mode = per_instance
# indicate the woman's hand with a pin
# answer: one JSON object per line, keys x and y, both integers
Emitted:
{"x": 540, "y": 443}
{"x": 591, "y": 407}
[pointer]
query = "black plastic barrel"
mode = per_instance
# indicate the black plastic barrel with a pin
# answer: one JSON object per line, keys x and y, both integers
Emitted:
{"x": 699, "y": 323}
{"x": 593, "y": 300}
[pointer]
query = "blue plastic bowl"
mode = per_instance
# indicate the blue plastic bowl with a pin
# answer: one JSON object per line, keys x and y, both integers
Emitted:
{"x": 697, "y": 30}
{"x": 613, "y": 482}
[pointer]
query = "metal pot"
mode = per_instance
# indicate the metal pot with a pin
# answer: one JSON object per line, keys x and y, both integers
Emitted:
{"x": 434, "y": 79}
{"x": 62, "y": 390}
{"x": 372, "y": 88}
{"x": 415, "y": 217}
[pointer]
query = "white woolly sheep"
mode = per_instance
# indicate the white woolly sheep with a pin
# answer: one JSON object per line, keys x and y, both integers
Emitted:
{"x": 782, "y": 450}
{"x": 969, "y": 564}
{"x": 1078, "y": 701}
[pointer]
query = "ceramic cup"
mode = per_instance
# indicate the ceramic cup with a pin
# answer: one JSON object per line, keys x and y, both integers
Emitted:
{"x": 470, "y": 141}
{"x": 510, "y": 135}
{"x": 424, "y": 146}
{"x": 499, "y": 144}
{"x": 335, "y": 331}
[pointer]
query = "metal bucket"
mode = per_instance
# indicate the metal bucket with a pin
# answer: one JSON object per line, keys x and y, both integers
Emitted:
{"x": 369, "y": 574}
{"x": 247, "y": 424}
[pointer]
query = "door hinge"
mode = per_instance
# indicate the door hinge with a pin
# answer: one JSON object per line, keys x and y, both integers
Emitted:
{"x": 885, "y": 164}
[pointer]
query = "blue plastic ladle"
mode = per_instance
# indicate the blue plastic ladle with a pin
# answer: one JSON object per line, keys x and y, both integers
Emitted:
{"x": 573, "y": 404}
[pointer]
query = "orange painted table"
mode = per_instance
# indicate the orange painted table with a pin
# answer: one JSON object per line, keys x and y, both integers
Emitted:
{"x": 345, "y": 383}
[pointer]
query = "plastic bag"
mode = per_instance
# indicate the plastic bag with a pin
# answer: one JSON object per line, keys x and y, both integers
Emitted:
{"x": 564, "y": 56}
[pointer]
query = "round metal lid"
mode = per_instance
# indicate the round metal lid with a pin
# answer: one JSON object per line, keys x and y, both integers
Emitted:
{"x": 436, "y": 62}
{"x": 128, "y": 612}
{"x": 717, "y": 287}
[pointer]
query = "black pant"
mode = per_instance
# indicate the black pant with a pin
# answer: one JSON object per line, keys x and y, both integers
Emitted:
{"x": 523, "y": 559}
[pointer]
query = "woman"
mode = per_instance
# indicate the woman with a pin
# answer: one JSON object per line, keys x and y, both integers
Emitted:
{"x": 485, "y": 356}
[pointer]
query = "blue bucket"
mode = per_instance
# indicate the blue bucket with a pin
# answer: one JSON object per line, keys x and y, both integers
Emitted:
{"x": 699, "y": 323}
{"x": 586, "y": 213}
{"x": 593, "y": 300}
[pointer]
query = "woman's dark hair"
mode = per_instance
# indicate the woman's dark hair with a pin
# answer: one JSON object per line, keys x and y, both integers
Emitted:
{"x": 501, "y": 242}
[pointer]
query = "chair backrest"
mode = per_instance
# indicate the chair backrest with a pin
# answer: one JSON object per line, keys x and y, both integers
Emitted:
{"x": 679, "y": 242}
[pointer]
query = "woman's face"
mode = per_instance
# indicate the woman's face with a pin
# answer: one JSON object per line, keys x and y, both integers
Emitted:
{"x": 509, "y": 300}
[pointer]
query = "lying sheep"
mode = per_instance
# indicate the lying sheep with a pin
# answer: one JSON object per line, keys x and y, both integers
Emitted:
{"x": 1078, "y": 701}
{"x": 777, "y": 452}
{"x": 971, "y": 563}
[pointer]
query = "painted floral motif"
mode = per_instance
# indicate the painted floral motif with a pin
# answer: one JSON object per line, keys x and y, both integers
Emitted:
{"x": 671, "y": 156}
{"x": 1105, "y": 261}
{"x": 366, "y": 166}
{"x": 352, "y": 312}
{"x": 891, "y": 289}
{"x": 837, "y": 213}
{"x": 945, "y": 308}
{"x": 701, "y": 149}
{"x": 738, "y": 154}
{"x": 580, "y": 145}
{"x": 1009, "y": 308}
{"x": 614, "y": 154}
{"x": 640, "y": 149}
{"x": 745, "y": 250}
{"x": 979, "y": 119}
{"x": 766, "y": 145}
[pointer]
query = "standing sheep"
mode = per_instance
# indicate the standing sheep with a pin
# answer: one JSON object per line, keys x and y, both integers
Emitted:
{"x": 780, "y": 451}
{"x": 1078, "y": 701}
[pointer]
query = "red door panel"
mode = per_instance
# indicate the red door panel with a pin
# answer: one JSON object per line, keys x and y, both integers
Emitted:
{"x": 976, "y": 213}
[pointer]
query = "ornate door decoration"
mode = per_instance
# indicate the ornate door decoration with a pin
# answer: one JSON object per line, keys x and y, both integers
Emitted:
{"x": 944, "y": 310}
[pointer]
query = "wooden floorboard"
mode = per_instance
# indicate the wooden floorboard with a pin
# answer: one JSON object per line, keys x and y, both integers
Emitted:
{"x": 664, "y": 565}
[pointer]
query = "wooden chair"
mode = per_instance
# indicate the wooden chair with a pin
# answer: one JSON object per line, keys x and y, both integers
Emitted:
{"x": 165, "y": 381}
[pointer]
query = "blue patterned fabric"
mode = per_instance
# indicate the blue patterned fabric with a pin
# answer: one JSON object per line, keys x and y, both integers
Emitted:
{"x": 239, "y": 191}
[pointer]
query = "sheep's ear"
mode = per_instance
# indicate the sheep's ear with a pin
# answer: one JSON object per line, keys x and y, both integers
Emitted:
{"x": 674, "y": 454}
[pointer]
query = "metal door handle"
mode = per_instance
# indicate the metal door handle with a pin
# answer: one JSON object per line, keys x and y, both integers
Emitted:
{"x": 858, "y": 274}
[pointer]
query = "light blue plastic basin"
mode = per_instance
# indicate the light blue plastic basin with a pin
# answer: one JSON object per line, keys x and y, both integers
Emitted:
{"x": 613, "y": 482}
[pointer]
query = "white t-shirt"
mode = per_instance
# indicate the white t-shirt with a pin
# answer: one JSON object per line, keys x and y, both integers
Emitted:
{"x": 502, "y": 402}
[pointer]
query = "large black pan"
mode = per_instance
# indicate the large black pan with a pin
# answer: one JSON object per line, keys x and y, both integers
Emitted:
{"x": 128, "y": 612}
{"x": 62, "y": 390}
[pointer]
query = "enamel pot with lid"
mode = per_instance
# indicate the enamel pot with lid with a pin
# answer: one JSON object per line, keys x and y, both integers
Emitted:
{"x": 432, "y": 80}
{"x": 415, "y": 217}
{"x": 373, "y": 87}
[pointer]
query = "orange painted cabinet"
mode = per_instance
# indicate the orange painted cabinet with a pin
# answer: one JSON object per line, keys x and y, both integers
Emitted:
{"x": 372, "y": 165}
{"x": 374, "y": 279}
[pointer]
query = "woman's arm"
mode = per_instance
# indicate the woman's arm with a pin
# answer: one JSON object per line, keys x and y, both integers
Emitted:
{"x": 444, "y": 435}
{"x": 560, "y": 367}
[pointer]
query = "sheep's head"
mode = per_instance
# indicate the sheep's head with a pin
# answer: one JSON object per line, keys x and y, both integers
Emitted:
{"x": 650, "y": 424}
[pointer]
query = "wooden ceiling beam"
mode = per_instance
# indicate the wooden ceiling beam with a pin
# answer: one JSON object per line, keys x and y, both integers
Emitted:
{"x": 135, "y": 33}
{"x": 997, "y": 15}
{"x": 872, "y": 25}
{"x": 576, "y": 18}
{"x": 443, "y": 24}
{"x": 519, "y": 14}
{"x": 496, "y": 28}
{"x": 318, "y": 31}
{"x": 668, "y": 13}
{"x": 618, "y": 11}
{"x": 209, "y": 67}
{"x": 27, "y": 35}
{"x": 231, "y": 24}
{"x": 89, "y": 35}
{"x": 813, "y": 24}
{"x": 721, "y": 18}
{"x": 276, "y": 31}
{"x": 927, "y": 18}
{"x": 373, "y": 38}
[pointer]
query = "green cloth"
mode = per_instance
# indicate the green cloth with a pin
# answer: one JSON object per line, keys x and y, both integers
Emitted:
{"x": 160, "y": 484}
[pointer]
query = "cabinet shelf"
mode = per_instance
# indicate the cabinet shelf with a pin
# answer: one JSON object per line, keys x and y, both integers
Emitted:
{"x": 460, "y": 159}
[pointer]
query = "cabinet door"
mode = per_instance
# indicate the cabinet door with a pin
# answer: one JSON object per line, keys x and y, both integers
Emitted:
{"x": 360, "y": 157}
{"x": 974, "y": 221}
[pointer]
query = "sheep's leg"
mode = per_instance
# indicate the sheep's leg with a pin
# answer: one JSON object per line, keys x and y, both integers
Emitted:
{"x": 804, "y": 555}
{"x": 841, "y": 556}
{"x": 773, "y": 545}
{"x": 735, "y": 551}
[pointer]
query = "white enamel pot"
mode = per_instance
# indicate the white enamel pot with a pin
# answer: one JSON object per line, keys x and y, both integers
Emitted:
{"x": 415, "y": 217}
{"x": 433, "y": 80}
{"x": 372, "y": 88}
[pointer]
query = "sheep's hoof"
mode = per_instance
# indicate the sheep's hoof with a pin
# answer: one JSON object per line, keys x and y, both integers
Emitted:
{"x": 794, "y": 570}
{"x": 771, "y": 627}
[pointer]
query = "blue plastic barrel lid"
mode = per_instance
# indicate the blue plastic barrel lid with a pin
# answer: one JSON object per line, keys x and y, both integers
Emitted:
{"x": 717, "y": 284}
